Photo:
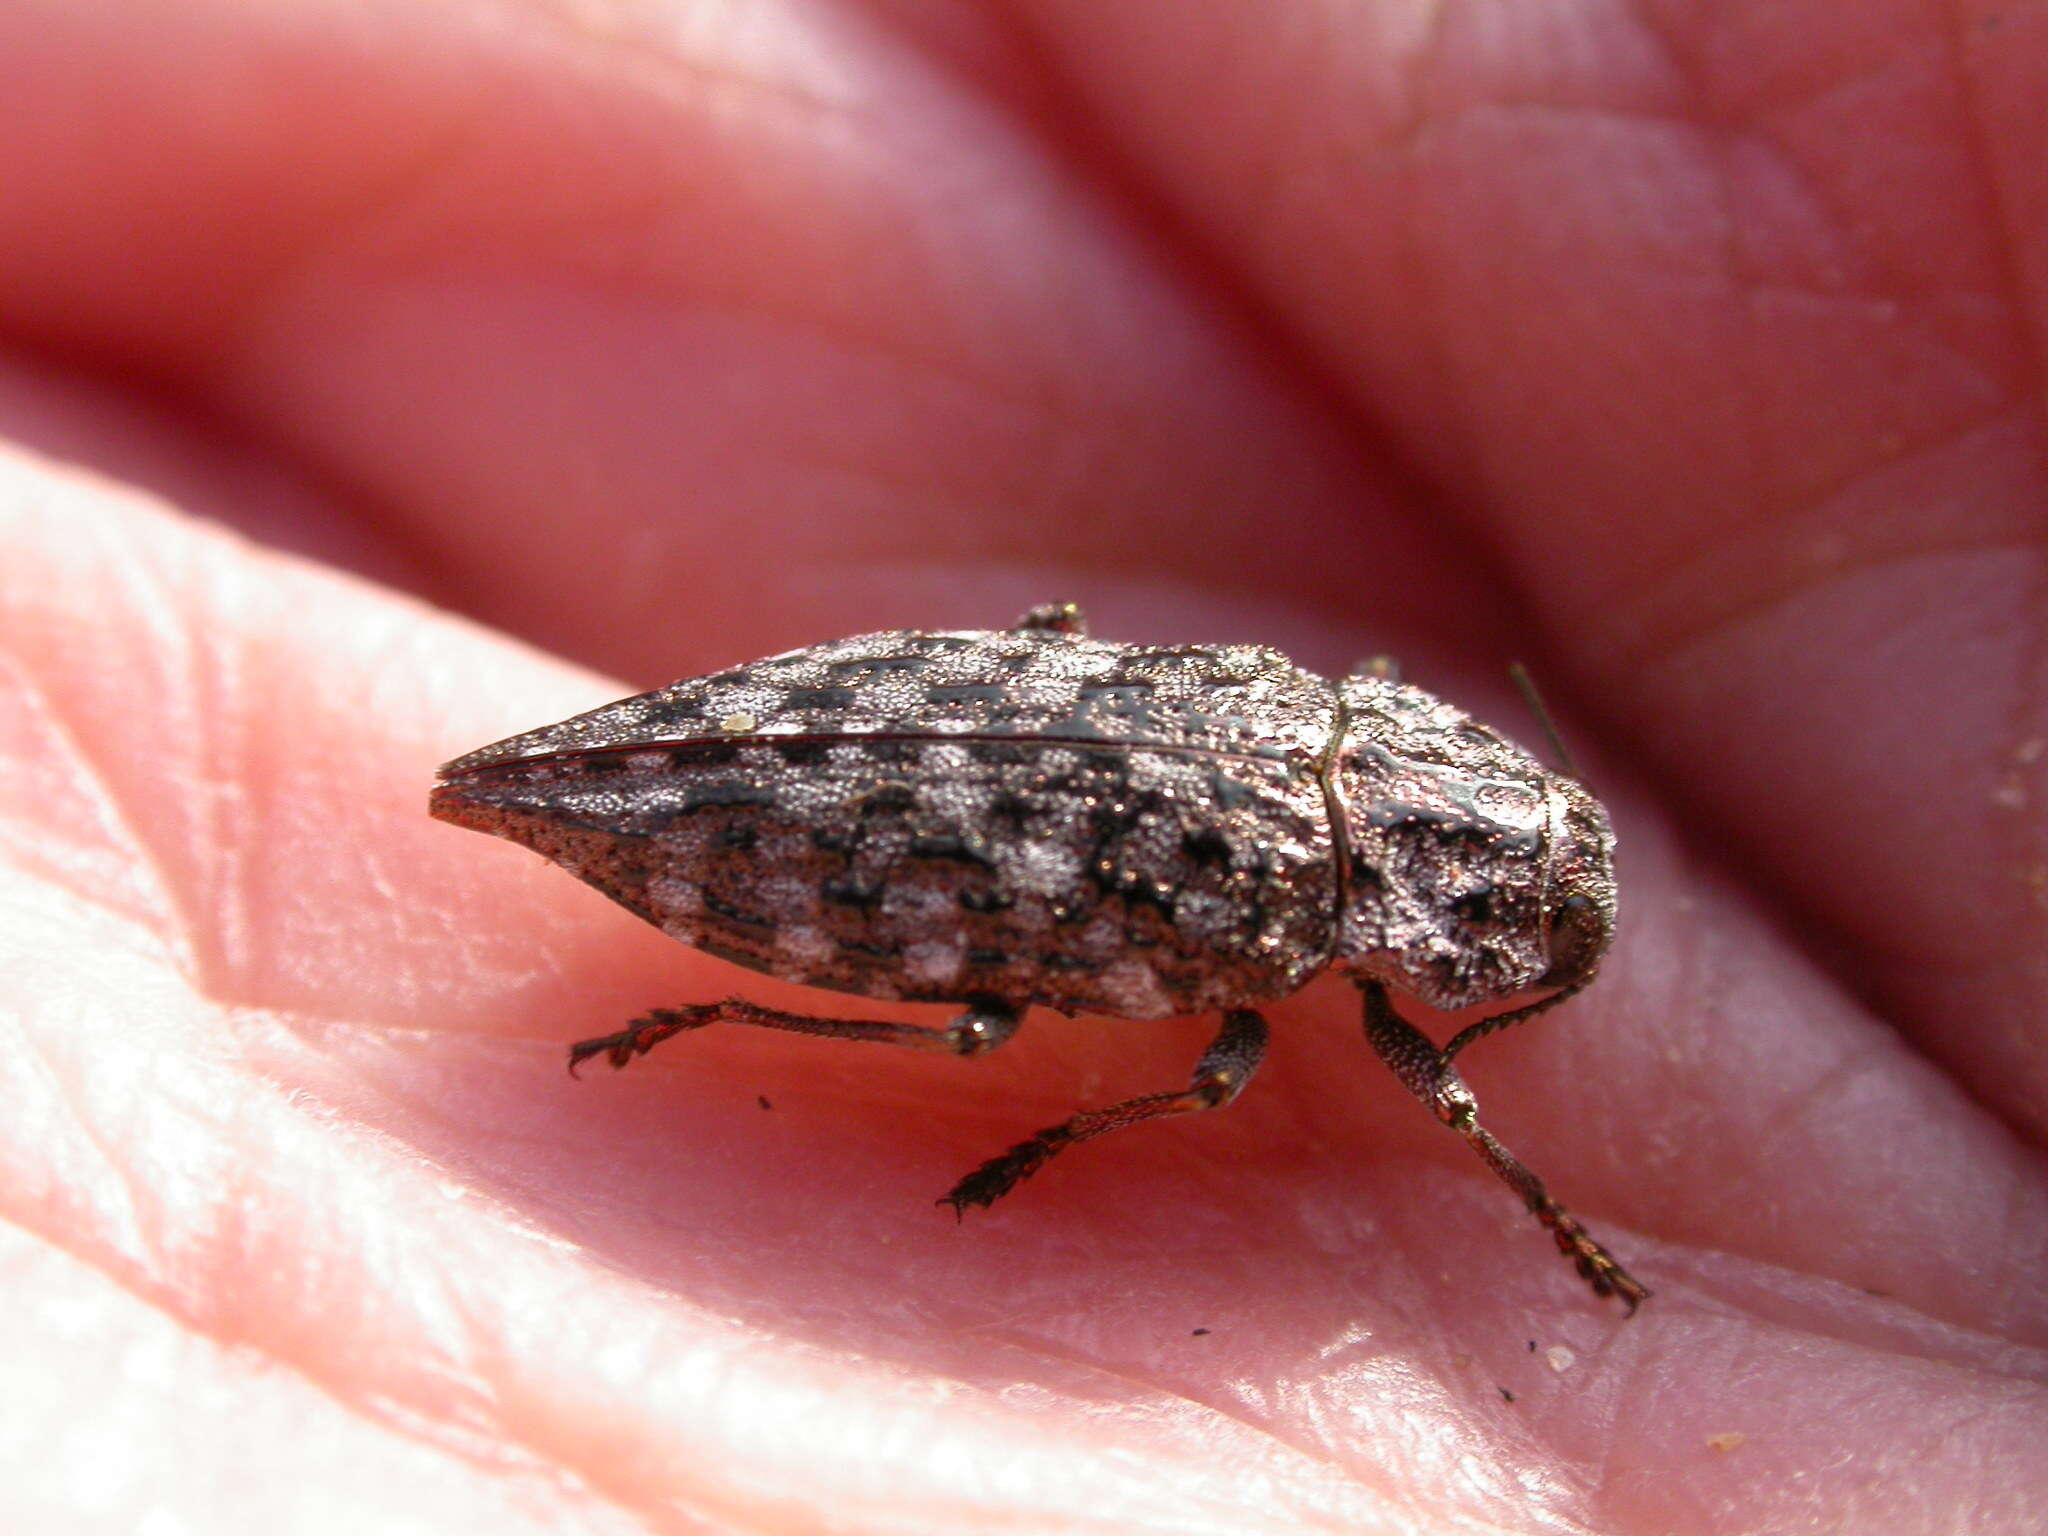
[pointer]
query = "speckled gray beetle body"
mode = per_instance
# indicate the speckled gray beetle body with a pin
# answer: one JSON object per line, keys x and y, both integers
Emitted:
{"x": 1030, "y": 816}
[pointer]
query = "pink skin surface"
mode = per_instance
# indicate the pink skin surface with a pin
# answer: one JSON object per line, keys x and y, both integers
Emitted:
{"x": 1693, "y": 353}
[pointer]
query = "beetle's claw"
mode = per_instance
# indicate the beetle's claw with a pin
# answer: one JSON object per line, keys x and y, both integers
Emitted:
{"x": 617, "y": 1049}
{"x": 998, "y": 1176}
{"x": 1595, "y": 1264}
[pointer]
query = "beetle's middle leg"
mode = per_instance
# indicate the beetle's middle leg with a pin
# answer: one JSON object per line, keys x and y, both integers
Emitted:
{"x": 1427, "y": 1073}
{"x": 1223, "y": 1071}
{"x": 986, "y": 1024}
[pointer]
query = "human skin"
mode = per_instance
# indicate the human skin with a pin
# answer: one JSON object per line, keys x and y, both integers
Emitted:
{"x": 1691, "y": 353}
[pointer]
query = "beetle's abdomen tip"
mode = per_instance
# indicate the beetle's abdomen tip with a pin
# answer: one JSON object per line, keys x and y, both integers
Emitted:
{"x": 449, "y": 801}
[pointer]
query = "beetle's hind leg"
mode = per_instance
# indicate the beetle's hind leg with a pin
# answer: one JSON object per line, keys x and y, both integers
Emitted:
{"x": 986, "y": 1024}
{"x": 1223, "y": 1071}
{"x": 1427, "y": 1073}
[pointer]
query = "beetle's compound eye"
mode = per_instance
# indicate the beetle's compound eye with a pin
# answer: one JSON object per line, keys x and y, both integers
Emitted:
{"x": 1581, "y": 898}
{"x": 1579, "y": 934}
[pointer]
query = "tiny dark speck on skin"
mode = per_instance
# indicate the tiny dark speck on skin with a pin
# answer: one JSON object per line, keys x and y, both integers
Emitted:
{"x": 1201, "y": 1333}
{"x": 1507, "y": 1395}
{"x": 1003, "y": 820}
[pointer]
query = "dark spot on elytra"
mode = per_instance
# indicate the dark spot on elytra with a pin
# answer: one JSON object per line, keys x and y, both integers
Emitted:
{"x": 1002, "y": 753}
{"x": 949, "y": 848}
{"x": 880, "y": 756}
{"x": 1255, "y": 914}
{"x": 740, "y": 836}
{"x": 729, "y": 792}
{"x": 1114, "y": 818}
{"x": 1161, "y": 654}
{"x": 719, "y": 907}
{"x": 1133, "y": 697}
{"x": 799, "y": 754}
{"x": 704, "y": 754}
{"x": 1010, "y": 807}
{"x": 1207, "y": 846}
{"x": 872, "y": 951}
{"x": 966, "y": 693}
{"x": 1228, "y": 793}
{"x": 985, "y": 899}
{"x": 818, "y": 698}
{"x": 1138, "y": 892}
{"x": 1057, "y": 960}
{"x": 880, "y": 666}
{"x": 887, "y": 800}
{"x": 848, "y": 893}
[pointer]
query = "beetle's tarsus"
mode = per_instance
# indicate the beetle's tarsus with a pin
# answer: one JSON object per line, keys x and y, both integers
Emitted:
{"x": 644, "y": 1034}
{"x": 1004, "y": 1172}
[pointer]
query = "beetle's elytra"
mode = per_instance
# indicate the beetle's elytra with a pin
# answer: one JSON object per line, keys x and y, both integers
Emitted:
{"x": 1030, "y": 816}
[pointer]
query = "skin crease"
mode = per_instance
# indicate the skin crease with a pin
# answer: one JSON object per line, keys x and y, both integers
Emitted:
{"x": 1691, "y": 352}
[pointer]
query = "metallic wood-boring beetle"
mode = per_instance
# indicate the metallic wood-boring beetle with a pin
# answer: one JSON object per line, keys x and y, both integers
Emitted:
{"x": 1030, "y": 816}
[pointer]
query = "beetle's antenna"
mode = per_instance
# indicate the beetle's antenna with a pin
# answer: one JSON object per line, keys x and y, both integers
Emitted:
{"x": 1526, "y": 686}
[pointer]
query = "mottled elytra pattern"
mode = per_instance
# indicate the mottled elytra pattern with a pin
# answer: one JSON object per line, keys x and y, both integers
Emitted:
{"x": 1002, "y": 819}
{"x": 1132, "y": 881}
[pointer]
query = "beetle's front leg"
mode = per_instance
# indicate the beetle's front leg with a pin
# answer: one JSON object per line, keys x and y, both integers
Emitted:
{"x": 986, "y": 1024}
{"x": 1427, "y": 1073}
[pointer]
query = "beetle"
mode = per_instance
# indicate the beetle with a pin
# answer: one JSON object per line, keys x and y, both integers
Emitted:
{"x": 1001, "y": 819}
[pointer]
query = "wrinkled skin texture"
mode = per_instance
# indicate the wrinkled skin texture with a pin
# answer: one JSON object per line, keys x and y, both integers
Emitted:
{"x": 1692, "y": 352}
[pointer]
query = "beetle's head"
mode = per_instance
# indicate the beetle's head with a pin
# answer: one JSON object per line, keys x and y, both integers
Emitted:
{"x": 1578, "y": 897}
{"x": 1473, "y": 874}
